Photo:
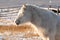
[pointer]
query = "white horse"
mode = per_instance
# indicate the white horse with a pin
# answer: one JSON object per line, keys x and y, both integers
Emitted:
{"x": 44, "y": 20}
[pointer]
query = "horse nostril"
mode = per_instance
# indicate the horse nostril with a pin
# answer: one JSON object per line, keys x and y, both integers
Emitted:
{"x": 17, "y": 22}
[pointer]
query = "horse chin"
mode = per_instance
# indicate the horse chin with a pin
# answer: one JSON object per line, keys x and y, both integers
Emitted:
{"x": 24, "y": 23}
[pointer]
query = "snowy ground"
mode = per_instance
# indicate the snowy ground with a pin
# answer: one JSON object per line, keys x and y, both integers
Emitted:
{"x": 14, "y": 3}
{"x": 8, "y": 15}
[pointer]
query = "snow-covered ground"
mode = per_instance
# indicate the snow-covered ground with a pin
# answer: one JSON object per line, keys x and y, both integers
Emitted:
{"x": 8, "y": 15}
{"x": 11, "y": 3}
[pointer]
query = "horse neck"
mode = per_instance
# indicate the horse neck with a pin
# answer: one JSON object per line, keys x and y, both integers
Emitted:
{"x": 36, "y": 17}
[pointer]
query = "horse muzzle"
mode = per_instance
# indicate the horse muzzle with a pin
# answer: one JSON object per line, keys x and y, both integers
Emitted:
{"x": 17, "y": 22}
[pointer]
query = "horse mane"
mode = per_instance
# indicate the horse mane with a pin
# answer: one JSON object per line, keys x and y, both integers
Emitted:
{"x": 39, "y": 8}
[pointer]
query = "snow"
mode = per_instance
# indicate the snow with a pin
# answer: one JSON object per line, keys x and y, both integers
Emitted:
{"x": 8, "y": 15}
